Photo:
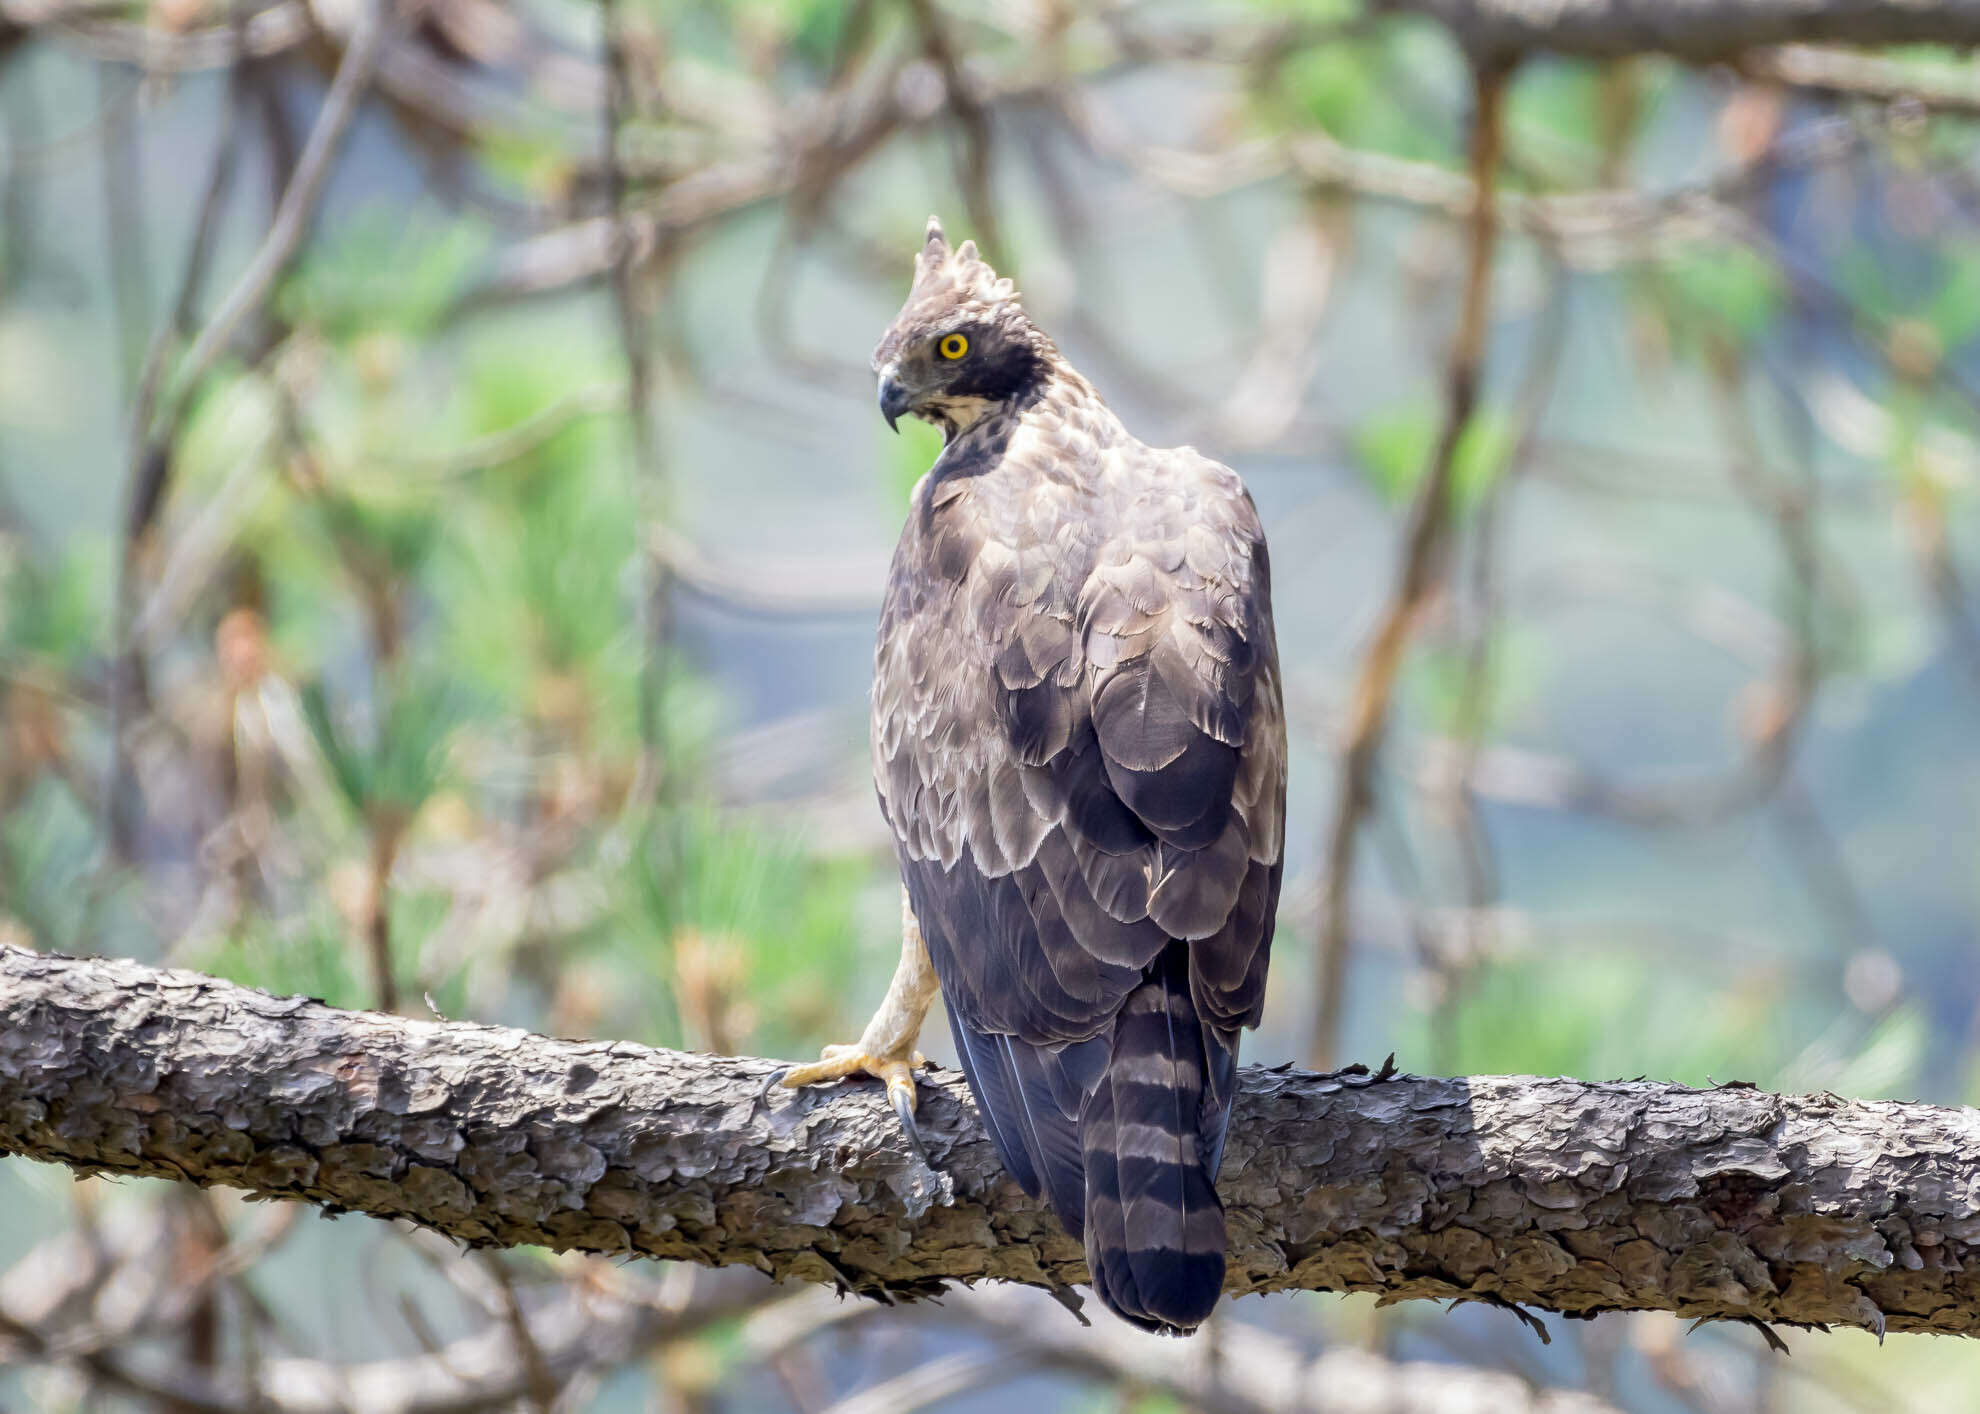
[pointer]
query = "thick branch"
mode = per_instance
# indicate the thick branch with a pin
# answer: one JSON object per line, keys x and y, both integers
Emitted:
{"x": 1727, "y": 1203}
{"x": 1699, "y": 30}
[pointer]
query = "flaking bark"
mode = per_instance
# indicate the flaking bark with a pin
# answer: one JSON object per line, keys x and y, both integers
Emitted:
{"x": 1702, "y": 31}
{"x": 1728, "y": 1203}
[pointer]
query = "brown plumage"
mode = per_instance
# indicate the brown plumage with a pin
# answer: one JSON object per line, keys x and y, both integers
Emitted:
{"x": 1079, "y": 742}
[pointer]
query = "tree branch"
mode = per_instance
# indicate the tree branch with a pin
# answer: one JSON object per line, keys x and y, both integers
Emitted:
{"x": 1726, "y": 1204}
{"x": 1614, "y": 29}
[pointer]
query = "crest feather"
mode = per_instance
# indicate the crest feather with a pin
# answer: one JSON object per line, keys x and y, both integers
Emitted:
{"x": 934, "y": 250}
{"x": 955, "y": 279}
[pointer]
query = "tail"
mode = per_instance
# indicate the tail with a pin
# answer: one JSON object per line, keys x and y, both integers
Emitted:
{"x": 1154, "y": 1227}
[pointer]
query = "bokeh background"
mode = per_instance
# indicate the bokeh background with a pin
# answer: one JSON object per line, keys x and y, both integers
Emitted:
{"x": 443, "y": 517}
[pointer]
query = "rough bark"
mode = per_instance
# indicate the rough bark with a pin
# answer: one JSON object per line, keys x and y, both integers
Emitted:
{"x": 1697, "y": 30}
{"x": 1728, "y": 1203}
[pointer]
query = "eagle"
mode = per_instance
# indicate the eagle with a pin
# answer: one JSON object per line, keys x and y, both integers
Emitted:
{"x": 1079, "y": 743}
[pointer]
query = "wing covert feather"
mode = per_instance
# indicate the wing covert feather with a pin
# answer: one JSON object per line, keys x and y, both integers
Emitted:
{"x": 1076, "y": 705}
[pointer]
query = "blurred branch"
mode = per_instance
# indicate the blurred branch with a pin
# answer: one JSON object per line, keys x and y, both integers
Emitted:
{"x": 628, "y": 258}
{"x": 298, "y": 205}
{"x": 592, "y": 1322}
{"x": 1596, "y": 229}
{"x": 1243, "y": 1368}
{"x": 1458, "y": 801}
{"x": 516, "y": 441}
{"x": 1725, "y": 1204}
{"x": 1846, "y": 75}
{"x": 973, "y": 173}
{"x": 1932, "y": 458}
{"x": 820, "y": 588}
{"x": 820, "y": 137}
{"x": 1236, "y": 1368}
{"x": 1422, "y": 557}
{"x": 121, "y": 162}
{"x": 1778, "y": 710}
{"x": 944, "y": 1378}
{"x": 151, "y": 445}
{"x": 377, "y": 910}
{"x": 271, "y": 30}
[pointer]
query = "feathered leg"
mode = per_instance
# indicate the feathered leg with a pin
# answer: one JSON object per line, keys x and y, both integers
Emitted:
{"x": 885, "y": 1050}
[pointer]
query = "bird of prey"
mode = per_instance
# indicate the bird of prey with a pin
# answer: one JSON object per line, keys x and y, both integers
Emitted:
{"x": 1079, "y": 742}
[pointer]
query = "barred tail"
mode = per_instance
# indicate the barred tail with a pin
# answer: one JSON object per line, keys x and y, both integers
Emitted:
{"x": 1154, "y": 1227}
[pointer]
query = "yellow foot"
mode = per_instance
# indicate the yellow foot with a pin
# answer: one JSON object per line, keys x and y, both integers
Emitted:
{"x": 840, "y": 1062}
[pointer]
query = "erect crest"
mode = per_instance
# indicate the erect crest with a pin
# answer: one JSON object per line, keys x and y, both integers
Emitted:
{"x": 955, "y": 292}
{"x": 959, "y": 278}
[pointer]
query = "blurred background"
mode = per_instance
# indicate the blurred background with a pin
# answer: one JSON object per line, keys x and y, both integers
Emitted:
{"x": 443, "y": 517}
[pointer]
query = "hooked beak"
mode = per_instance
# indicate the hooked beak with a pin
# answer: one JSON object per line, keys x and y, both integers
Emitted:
{"x": 893, "y": 398}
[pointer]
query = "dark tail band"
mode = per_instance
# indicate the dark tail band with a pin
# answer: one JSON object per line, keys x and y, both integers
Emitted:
{"x": 1154, "y": 1227}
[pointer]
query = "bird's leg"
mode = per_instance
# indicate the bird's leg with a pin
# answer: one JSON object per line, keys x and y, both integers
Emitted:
{"x": 885, "y": 1050}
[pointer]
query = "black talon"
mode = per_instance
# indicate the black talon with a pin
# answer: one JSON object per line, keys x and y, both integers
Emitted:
{"x": 904, "y": 1107}
{"x": 770, "y": 1082}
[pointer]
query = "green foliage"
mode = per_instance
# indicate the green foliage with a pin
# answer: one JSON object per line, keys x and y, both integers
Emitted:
{"x": 1614, "y": 1014}
{"x": 536, "y": 581}
{"x": 386, "y": 768}
{"x": 1515, "y": 678}
{"x": 905, "y": 459}
{"x": 728, "y": 34}
{"x": 384, "y": 537}
{"x": 384, "y": 271}
{"x": 1947, "y": 303}
{"x": 1728, "y": 294}
{"x": 1576, "y": 123}
{"x": 1880, "y": 1061}
{"x": 724, "y": 877}
{"x": 1394, "y": 445}
{"x": 316, "y": 954}
{"x": 1619, "y": 1012}
{"x": 232, "y": 417}
{"x": 1379, "y": 91}
{"x": 523, "y": 165}
{"x": 816, "y": 28}
{"x": 309, "y": 956}
{"x": 1124, "y": 1398}
{"x": 1339, "y": 12}
{"x": 47, "y": 852}
{"x": 1554, "y": 111}
{"x": 57, "y": 612}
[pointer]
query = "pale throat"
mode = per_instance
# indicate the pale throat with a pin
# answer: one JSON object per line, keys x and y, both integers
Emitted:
{"x": 956, "y": 416}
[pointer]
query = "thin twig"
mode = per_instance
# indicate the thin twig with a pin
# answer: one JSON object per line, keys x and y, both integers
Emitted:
{"x": 1477, "y": 863}
{"x": 150, "y": 465}
{"x": 147, "y": 486}
{"x": 635, "y": 336}
{"x": 514, "y": 442}
{"x": 539, "y": 1384}
{"x": 385, "y": 835}
{"x": 1421, "y": 565}
{"x": 973, "y": 172}
{"x": 124, "y": 213}
{"x": 1842, "y": 74}
{"x": 299, "y": 202}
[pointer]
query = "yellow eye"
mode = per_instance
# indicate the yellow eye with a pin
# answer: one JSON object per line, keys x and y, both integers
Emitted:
{"x": 953, "y": 346}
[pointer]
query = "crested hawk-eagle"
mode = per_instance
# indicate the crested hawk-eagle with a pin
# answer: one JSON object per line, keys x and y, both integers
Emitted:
{"x": 1079, "y": 742}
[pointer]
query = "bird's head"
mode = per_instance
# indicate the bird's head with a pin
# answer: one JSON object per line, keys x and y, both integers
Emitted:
{"x": 961, "y": 346}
